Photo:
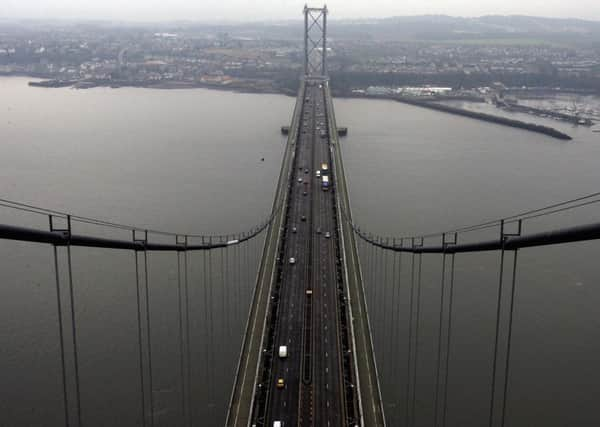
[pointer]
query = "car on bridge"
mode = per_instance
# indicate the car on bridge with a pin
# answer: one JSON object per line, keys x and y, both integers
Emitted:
{"x": 280, "y": 383}
{"x": 292, "y": 260}
{"x": 283, "y": 351}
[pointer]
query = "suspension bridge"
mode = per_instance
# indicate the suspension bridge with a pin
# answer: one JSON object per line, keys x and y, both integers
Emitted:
{"x": 291, "y": 312}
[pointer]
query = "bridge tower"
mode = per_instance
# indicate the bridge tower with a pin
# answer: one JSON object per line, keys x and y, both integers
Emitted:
{"x": 315, "y": 42}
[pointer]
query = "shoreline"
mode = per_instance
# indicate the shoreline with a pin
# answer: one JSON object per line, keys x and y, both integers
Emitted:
{"x": 239, "y": 87}
{"x": 251, "y": 87}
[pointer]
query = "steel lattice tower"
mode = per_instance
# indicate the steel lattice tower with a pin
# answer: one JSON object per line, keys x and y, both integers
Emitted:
{"x": 315, "y": 42}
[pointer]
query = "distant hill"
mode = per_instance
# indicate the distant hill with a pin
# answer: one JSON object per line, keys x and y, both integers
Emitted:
{"x": 441, "y": 27}
{"x": 499, "y": 28}
{"x": 430, "y": 27}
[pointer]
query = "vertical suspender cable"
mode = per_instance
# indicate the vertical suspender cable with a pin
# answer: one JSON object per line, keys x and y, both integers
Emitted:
{"x": 187, "y": 335}
{"x": 392, "y": 327}
{"x": 373, "y": 277}
{"x": 149, "y": 340}
{"x": 376, "y": 313}
{"x": 397, "y": 331}
{"x": 448, "y": 337}
{"x": 74, "y": 332}
{"x": 181, "y": 349}
{"x": 210, "y": 321}
{"x": 256, "y": 241}
{"x": 384, "y": 306}
{"x": 238, "y": 288}
{"x": 140, "y": 342}
{"x": 410, "y": 318}
{"x": 222, "y": 331}
{"x": 232, "y": 299}
{"x": 244, "y": 291}
{"x": 367, "y": 284}
{"x": 369, "y": 262}
{"x": 62, "y": 339}
{"x": 207, "y": 348}
{"x": 439, "y": 355}
{"x": 227, "y": 320}
{"x": 416, "y": 363}
{"x": 366, "y": 270}
{"x": 248, "y": 278}
{"x": 371, "y": 252}
{"x": 497, "y": 334}
{"x": 381, "y": 303}
{"x": 508, "y": 348}
{"x": 235, "y": 305}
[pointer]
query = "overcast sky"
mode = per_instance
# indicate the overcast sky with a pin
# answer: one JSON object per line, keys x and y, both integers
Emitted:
{"x": 211, "y": 10}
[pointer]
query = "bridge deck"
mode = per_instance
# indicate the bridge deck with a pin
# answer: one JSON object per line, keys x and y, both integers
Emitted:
{"x": 329, "y": 374}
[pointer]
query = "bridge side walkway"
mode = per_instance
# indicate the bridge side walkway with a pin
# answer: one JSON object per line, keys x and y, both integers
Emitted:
{"x": 241, "y": 402}
{"x": 370, "y": 402}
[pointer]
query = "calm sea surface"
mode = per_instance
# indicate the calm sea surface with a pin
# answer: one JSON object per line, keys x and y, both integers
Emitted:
{"x": 199, "y": 161}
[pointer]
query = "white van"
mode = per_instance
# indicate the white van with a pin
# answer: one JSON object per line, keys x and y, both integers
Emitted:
{"x": 277, "y": 423}
{"x": 283, "y": 352}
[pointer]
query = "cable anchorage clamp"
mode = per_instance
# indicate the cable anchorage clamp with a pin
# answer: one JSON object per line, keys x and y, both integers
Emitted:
{"x": 65, "y": 233}
{"x": 141, "y": 242}
{"x": 446, "y": 242}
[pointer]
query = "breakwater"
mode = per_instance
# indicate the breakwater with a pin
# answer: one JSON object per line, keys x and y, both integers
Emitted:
{"x": 532, "y": 127}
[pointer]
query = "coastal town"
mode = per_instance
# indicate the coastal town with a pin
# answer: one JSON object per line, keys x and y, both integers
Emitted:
{"x": 516, "y": 74}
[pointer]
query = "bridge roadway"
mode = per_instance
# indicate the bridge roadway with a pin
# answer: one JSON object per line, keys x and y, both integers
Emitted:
{"x": 321, "y": 373}
{"x": 307, "y": 320}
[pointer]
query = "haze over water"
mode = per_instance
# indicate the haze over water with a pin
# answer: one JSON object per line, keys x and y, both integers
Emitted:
{"x": 191, "y": 161}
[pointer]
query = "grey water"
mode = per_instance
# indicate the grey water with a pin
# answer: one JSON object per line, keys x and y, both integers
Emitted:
{"x": 199, "y": 161}
{"x": 414, "y": 171}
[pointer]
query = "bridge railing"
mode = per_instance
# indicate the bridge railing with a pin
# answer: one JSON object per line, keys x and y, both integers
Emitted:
{"x": 456, "y": 316}
{"x": 118, "y": 325}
